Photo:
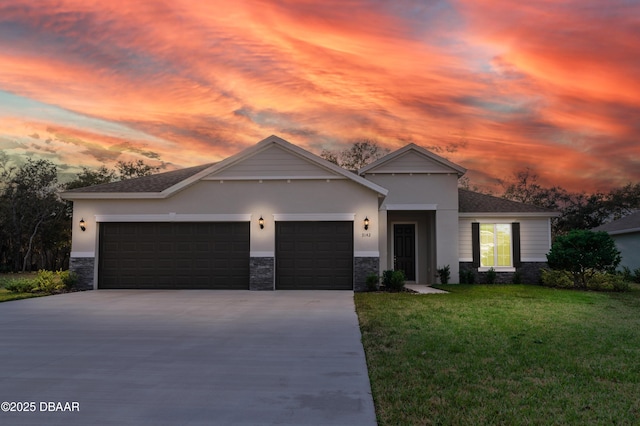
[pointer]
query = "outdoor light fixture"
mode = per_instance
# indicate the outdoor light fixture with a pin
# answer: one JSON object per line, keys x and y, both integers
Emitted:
{"x": 366, "y": 223}
{"x": 83, "y": 225}
{"x": 261, "y": 222}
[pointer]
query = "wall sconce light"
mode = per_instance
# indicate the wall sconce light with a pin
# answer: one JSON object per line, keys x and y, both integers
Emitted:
{"x": 366, "y": 223}
{"x": 261, "y": 222}
{"x": 83, "y": 225}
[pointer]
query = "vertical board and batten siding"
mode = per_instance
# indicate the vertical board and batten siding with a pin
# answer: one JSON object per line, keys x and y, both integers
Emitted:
{"x": 411, "y": 162}
{"x": 273, "y": 161}
{"x": 534, "y": 237}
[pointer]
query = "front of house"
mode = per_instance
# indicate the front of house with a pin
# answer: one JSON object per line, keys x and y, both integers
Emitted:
{"x": 275, "y": 216}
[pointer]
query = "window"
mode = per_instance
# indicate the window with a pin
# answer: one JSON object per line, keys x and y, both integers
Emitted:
{"x": 496, "y": 245}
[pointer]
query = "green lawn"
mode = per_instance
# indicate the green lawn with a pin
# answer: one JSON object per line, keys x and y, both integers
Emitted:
{"x": 503, "y": 354}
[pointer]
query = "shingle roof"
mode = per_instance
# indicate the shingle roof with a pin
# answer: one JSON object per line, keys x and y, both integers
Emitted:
{"x": 630, "y": 223}
{"x": 153, "y": 183}
{"x": 475, "y": 202}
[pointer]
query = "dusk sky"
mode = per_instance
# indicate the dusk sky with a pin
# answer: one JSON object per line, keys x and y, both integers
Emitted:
{"x": 551, "y": 85}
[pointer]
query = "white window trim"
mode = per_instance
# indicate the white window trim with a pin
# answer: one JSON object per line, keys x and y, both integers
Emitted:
{"x": 495, "y": 255}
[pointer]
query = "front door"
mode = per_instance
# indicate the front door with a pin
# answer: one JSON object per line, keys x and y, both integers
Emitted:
{"x": 404, "y": 249}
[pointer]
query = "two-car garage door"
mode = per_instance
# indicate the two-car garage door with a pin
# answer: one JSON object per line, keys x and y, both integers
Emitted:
{"x": 174, "y": 255}
{"x": 215, "y": 255}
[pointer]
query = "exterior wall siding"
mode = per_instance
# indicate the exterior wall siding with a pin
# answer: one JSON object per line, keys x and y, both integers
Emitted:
{"x": 534, "y": 237}
{"x": 629, "y": 247}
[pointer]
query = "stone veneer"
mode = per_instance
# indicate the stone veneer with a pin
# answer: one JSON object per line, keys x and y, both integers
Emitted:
{"x": 529, "y": 273}
{"x": 362, "y": 267}
{"x": 261, "y": 273}
{"x": 84, "y": 268}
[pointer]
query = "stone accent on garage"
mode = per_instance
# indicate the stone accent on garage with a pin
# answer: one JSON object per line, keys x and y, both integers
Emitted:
{"x": 529, "y": 273}
{"x": 84, "y": 267}
{"x": 261, "y": 273}
{"x": 362, "y": 267}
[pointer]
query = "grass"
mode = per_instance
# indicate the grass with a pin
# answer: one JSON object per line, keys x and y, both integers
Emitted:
{"x": 6, "y": 295}
{"x": 503, "y": 354}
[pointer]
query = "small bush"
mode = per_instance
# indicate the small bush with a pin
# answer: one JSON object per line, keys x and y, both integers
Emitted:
{"x": 393, "y": 280}
{"x": 69, "y": 279}
{"x": 372, "y": 282}
{"x": 491, "y": 276}
{"x": 20, "y": 285}
{"x": 467, "y": 276}
{"x": 445, "y": 274}
{"x": 49, "y": 282}
{"x": 554, "y": 278}
{"x": 601, "y": 281}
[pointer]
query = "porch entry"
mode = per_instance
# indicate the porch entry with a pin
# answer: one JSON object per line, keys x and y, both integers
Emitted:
{"x": 404, "y": 249}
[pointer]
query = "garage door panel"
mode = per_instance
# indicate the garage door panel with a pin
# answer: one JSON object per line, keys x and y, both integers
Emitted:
{"x": 174, "y": 255}
{"x": 314, "y": 255}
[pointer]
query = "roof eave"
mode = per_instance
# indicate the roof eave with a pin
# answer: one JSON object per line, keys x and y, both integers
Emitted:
{"x": 509, "y": 214}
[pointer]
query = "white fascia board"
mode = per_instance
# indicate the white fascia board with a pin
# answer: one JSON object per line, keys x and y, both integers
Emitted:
{"x": 319, "y": 177}
{"x": 623, "y": 231}
{"x": 514, "y": 215}
{"x": 113, "y": 195}
{"x": 315, "y": 217}
{"x": 413, "y": 207}
{"x": 173, "y": 217}
{"x": 366, "y": 254}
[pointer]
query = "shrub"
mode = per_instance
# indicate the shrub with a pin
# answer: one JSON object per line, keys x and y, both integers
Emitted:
{"x": 372, "y": 282}
{"x": 602, "y": 281}
{"x": 393, "y": 280}
{"x": 491, "y": 276}
{"x": 69, "y": 279}
{"x": 49, "y": 282}
{"x": 467, "y": 276}
{"x": 559, "y": 279}
{"x": 584, "y": 253}
{"x": 445, "y": 274}
{"x": 20, "y": 285}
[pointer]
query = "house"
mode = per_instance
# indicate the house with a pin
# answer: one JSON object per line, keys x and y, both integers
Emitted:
{"x": 626, "y": 234}
{"x": 276, "y": 216}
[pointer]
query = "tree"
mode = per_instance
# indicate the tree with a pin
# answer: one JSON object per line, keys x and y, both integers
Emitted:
{"x": 583, "y": 253}
{"x": 358, "y": 155}
{"x": 29, "y": 202}
{"x": 90, "y": 177}
{"x": 130, "y": 169}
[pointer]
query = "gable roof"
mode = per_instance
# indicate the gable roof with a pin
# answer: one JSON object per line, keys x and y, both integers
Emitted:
{"x": 625, "y": 225}
{"x": 163, "y": 185}
{"x": 473, "y": 203}
{"x": 445, "y": 164}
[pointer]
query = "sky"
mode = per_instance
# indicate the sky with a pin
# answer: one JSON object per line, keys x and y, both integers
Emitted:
{"x": 496, "y": 86}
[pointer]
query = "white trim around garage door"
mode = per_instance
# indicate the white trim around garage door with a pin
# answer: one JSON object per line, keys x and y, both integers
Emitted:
{"x": 173, "y": 217}
{"x": 313, "y": 217}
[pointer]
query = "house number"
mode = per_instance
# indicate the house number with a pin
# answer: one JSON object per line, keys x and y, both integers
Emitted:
{"x": 366, "y": 235}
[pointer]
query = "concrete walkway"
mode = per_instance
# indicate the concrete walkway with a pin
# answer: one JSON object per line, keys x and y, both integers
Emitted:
{"x": 424, "y": 289}
{"x": 185, "y": 358}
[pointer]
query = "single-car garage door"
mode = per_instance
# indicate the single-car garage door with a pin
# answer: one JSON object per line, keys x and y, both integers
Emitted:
{"x": 176, "y": 255}
{"x": 314, "y": 255}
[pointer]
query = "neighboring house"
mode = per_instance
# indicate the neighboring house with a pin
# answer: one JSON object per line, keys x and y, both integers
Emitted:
{"x": 275, "y": 216}
{"x": 626, "y": 233}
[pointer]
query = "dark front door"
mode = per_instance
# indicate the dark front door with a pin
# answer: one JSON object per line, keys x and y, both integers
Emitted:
{"x": 404, "y": 249}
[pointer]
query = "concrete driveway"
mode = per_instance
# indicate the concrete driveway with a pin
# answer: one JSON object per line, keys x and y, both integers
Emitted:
{"x": 184, "y": 358}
